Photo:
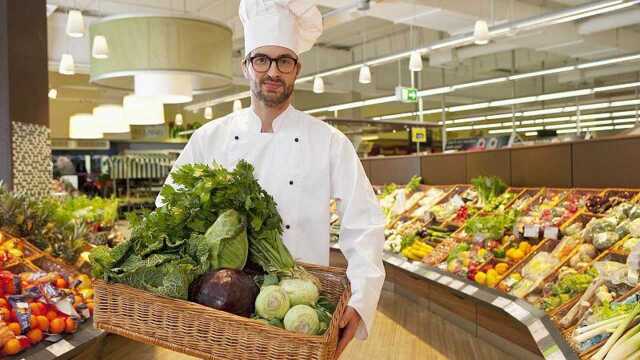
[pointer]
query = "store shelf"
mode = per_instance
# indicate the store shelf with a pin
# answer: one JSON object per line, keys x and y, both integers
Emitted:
{"x": 500, "y": 314}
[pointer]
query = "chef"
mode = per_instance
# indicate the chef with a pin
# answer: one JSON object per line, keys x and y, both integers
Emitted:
{"x": 301, "y": 161}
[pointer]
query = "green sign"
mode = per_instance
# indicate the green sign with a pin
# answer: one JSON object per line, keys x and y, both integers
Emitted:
{"x": 406, "y": 94}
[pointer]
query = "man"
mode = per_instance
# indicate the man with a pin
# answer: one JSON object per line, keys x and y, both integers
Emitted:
{"x": 301, "y": 161}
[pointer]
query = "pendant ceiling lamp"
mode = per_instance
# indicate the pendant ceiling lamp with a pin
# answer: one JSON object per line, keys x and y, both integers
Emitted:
{"x": 143, "y": 110}
{"x": 75, "y": 24}
{"x": 170, "y": 58}
{"x": 481, "y": 33}
{"x": 84, "y": 126}
{"x": 67, "y": 66}
{"x": 111, "y": 119}
{"x": 415, "y": 62}
{"x": 365, "y": 74}
{"x": 208, "y": 113}
{"x": 318, "y": 85}
{"x": 100, "y": 48}
{"x": 179, "y": 120}
{"x": 237, "y": 105}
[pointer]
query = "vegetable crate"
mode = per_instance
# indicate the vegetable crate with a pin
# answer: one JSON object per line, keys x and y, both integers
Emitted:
{"x": 197, "y": 330}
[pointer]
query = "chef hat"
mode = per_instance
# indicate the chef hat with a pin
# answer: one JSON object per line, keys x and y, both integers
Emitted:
{"x": 293, "y": 24}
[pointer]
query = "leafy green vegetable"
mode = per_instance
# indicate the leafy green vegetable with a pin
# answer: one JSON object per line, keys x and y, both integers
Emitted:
{"x": 181, "y": 240}
{"x": 302, "y": 319}
{"x": 491, "y": 226}
{"x": 272, "y": 302}
{"x": 227, "y": 242}
{"x": 413, "y": 184}
{"x": 388, "y": 189}
{"x": 488, "y": 188}
{"x": 300, "y": 291}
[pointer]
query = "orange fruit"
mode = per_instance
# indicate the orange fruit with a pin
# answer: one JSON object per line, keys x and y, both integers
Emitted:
{"x": 51, "y": 315}
{"x": 70, "y": 325}
{"x": 4, "y": 302}
{"x": 91, "y": 306}
{"x": 5, "y": 314}
{"x": 61, "y": 282}
{"x": 57, "y": 325}
{"x": 35, "y": 335}
{"x": 15, "y": 328}
{"x": 12, "y": 347}
{"x": 43, "y": 322}
{"x": 77, "y": 300}
{"x": 33, "y": 322}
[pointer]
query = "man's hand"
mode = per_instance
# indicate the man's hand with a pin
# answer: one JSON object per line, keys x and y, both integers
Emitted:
{"x": 348, "y": 324}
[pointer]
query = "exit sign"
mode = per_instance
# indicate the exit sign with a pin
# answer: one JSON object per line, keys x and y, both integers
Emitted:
{"x": 407, "y": 94}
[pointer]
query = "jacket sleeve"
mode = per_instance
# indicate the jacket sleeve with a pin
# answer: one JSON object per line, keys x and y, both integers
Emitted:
{"x": 189, "y": 155}
{"x": 362, "y": 230}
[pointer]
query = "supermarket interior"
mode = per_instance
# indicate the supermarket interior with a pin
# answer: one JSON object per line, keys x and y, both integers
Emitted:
{"x": 482, "y": 189}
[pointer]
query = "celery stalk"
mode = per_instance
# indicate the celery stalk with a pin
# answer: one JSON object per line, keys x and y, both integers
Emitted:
{"x": 617, "y": 334}
{"x": 627, "y": 344}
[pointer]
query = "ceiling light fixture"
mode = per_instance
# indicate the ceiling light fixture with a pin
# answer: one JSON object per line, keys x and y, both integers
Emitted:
{"x": 67, "y": 66}
{"x": 53, "y": 93}
{"x": 143, "y": 110}
{"x": 208, "y": 113}
{"x": 83, "y": 126}
{"x": 365, "y": 74}
{"x": 415, "y": 61}
{"x": 110, "y": 118}
{"x": 100, "y": 48}
{"x": 318, "y": 85}
{"x": 481, "y": 33}
{"x": 75, "y": 24}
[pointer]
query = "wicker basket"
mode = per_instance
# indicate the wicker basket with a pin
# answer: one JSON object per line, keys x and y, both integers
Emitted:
{"x": 207, "y": 333}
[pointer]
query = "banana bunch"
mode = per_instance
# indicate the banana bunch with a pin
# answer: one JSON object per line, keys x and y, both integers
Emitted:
{"x": 417, "y": 251}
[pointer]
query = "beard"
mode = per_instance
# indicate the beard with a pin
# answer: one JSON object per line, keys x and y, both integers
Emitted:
{"x": 271, "y": 99}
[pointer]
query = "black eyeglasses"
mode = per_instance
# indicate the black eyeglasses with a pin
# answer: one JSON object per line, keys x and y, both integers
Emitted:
{"x": 262, "y": 63}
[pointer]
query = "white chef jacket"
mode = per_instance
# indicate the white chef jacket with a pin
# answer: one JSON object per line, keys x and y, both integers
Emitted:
{"x": 304, "y": 163}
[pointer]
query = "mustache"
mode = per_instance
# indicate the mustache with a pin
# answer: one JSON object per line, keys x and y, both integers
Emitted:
{"x": 269, "y": 78}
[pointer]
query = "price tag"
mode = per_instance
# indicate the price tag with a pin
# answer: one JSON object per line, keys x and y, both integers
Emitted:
{"x": 538, "y": 331}
{"x": 554, "y": 353}
{"x": 551, "y": 232}
{"x": 457, "y": 201}
{"x": 501, "y": 302}
{"x": 445, "y": 280}
{"x": 401, "y": 199}
{"x": 532, "y": 231}
{"x": 61, "y": 347}
{"x": 431, "y": 275}
{"x": 516, "y": 311}
{"x": 456, "y": 284}
{"x": 470, "y": 290}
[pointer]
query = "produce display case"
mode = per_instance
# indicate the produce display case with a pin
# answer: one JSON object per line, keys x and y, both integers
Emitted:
{"x": 186, "y": 327}
{"x": 564, "y": 243}
{"x": 53, "y": 342}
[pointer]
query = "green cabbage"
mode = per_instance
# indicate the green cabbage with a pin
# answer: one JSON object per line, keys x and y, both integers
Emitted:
{"x": 302, "y": 319}
{"x": 227, "y": 242}
{"x": 272, "y": 302}
{"x": 300, "y": 291}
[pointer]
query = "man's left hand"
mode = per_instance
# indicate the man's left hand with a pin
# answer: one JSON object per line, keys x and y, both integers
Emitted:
{"x": 348, "y": 324}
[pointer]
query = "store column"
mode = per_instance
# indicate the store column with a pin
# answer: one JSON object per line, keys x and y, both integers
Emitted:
{"x": 25, "y": 145}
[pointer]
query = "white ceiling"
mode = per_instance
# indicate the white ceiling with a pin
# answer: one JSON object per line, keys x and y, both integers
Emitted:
{"x": 391, "y": 26}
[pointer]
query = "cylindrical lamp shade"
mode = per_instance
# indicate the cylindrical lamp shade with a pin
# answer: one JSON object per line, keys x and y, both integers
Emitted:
{"x": 365, "y": 75}
{"x": 169, "y": 88}
{"x": 67, "y": 66}
{"x": 237, "y": 105}
{"x": 84, "y": 126}
{"x": 150, "y": 44}
{"x": 415, "y": 62}
{"x": 75, "y": 24}
{"x": 318, "y": 85}
{"x": 111, "y": 119}
{"x": 100, "y": 48}
{"x": 141, "y": 110}
{"x": 481, "y": 33}
{"x": 208, "y": 113}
